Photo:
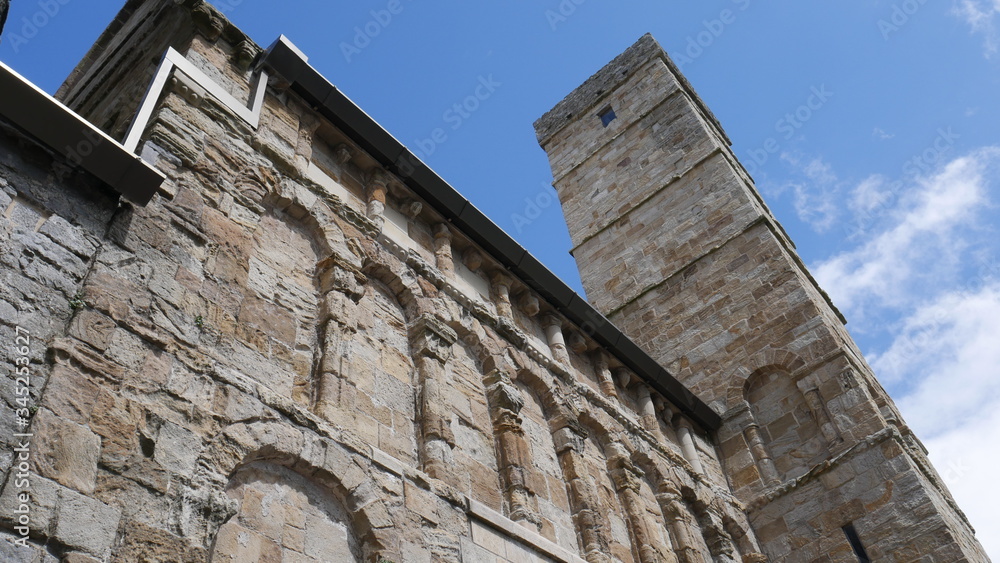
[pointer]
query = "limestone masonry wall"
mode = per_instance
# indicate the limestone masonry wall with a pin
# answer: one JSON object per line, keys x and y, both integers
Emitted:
{"x": 676, "y": 247}
{"x": 288, "y": 356}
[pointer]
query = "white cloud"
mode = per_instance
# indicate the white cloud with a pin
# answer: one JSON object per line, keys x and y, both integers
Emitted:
{"x": 815, "y": 198}
{"x": 948, "y": 356}
{"x": 880, "y": 134}
{"x": 981, "y": 17}
{"x": 930, "y": 267}
{"x": 946, "y": 359}
{"x": 921, "y": 249}
{"x": 966, "y": 458}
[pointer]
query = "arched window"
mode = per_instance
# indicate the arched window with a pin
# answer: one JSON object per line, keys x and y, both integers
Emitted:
{"x": 284, "y": 516}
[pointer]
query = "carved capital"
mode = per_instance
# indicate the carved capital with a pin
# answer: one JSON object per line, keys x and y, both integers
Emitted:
{"x": 626, "y": 475}
{"x": 577, "y": 342}
{"x": 442, "y": 231}
{"x": 473, "y": 259}
{"x": 209, "y": 22}
{"x": 529, "y": 304}
{"x": 570, "y": 437}
{"x": 336, "y": 274}
{"x": 624, "y": 377}
{"x": 432, "y": 338}
{"x": 245, "y": 53}
{"x": 437, "y": 428}
{"x": 502, "y": 394}
{"x": 412, "y": 208}
{"x": 377, "y": 183}
{"x": 344, "y": 154}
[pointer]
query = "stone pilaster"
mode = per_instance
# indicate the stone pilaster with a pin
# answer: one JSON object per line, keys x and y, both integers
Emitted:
{"x": 341, "y": 286}
{"x": 582, "y": 496}
{"x": 501, "y": 291}
{"x": 682, "y": 429}
{"x": 761, "y": 455}
{"x": 554, "y": 335}
{"x": 678, "y": 522}
{"x": 431, "y": 341}
{"x": 505, "y": 403}
{"x": 686, "y": 436}
{"x": 442, "y": 249}
{"x": 378, "y": 181}
{"x": 810, "y": 390}
{"x": 745, "y": 421}
{"x": 647, "y": 410}
{"x": 627, "y": 479}
{"x": 604, "y": 375}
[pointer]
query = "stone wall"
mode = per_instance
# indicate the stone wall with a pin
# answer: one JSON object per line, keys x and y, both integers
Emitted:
{"x": 292, "y": 356}
{"x": 676, "y": 247}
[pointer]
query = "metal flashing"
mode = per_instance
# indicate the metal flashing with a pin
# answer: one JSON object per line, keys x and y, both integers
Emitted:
{"x": 53, "y": 124}
{"x": 173, "y": 60}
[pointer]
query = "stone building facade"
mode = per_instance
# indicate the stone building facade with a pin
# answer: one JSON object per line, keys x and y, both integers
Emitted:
{"x": 280, "y": 337}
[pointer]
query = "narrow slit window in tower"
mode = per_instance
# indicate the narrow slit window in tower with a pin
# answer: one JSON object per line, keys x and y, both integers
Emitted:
{"x": 856, "y": 545}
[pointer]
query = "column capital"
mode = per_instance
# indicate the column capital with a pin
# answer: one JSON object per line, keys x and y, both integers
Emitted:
{"x": 431, "y": 337}
{"x": 344, "y": 154}
{"x": 570, "y": 436}
{"x": 502, "y": 393}
{"x": 377, "y": 179}
{"x": 442, "y": 231}
{"x": 336, "y": 274}
{"x": 626, "y": 475}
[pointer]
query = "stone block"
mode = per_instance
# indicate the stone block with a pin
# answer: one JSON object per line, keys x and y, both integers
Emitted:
{"x": 86, "y": 523}
{"x": 65, "y": 452}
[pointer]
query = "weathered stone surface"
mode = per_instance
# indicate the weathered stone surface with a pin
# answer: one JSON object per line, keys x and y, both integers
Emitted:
{"x": 284, "y": 362}
{"x": 65, "y": 451}
{"x": 675, "y": 245}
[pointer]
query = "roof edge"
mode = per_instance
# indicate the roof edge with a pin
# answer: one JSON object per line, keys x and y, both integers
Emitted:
{"x": 286, "y": 60}
{"x": 77, "y": 140}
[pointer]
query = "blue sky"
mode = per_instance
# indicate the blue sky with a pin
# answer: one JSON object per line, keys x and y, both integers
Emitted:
{"x": 887, "y": 184}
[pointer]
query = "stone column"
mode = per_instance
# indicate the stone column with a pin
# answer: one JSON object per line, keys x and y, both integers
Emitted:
{"x": 557, "y": 344}
{"x": 501, "y": 291}
{"x": 378, "y": 181}
{"x": 647, "y": 410}
{"x": 505, "y": 403}
{"x": 308, "y": 124}
{"x": 604, "y": 375}
{"x": 686, "y": 437}
{"x": 582, "y": 497}
{"x": 341, "y": 286}
{"x": 442, "y": 249}
{"x": 809, "y": 389}
{"x": 761, "y": 455}
{"x": 431, "y": 342}
{"x": 626, "y": 477}
{"x": 665, "y": 413}
{"x": 677, "y": 517}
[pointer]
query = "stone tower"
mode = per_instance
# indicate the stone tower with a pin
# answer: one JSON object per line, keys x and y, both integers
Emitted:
{"x": 675, "y": 245}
